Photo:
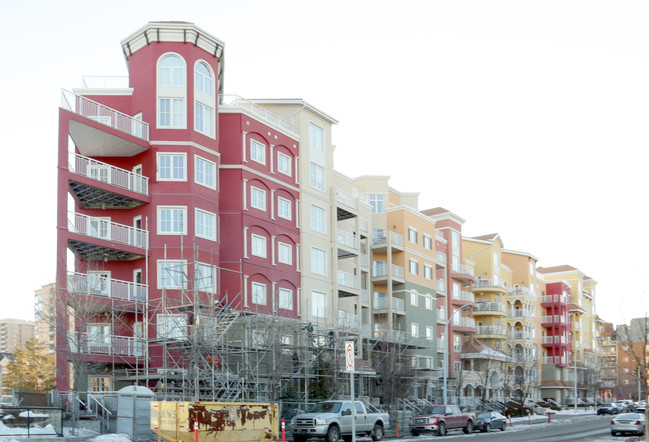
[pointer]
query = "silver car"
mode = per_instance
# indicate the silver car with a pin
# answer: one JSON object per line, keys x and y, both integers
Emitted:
{"x": 628, "y": 423}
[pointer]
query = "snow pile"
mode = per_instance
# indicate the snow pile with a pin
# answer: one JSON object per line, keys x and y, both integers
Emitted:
{"x": 5, "y": 430}
{"x": 30, "y": 413}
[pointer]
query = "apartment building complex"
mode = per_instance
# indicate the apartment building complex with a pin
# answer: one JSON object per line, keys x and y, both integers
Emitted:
{"x": 207, "y": 248}
{"x": 15, "y": 333}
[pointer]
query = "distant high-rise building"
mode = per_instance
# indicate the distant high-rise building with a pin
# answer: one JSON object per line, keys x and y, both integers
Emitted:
{"x": 15, "y": 333}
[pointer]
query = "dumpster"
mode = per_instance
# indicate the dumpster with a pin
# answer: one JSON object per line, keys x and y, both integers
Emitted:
{"x": 217, "y": 421}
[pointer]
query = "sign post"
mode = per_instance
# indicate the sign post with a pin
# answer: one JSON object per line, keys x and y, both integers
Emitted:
{"x": 349, "y": 366}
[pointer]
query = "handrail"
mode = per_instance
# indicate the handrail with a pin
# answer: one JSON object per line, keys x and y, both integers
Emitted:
{"x": 107, "y": 173}
{"x": 241, "y": 102}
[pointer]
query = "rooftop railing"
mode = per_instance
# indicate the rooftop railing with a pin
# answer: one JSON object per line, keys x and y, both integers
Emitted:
{"x": 103, "y": 114}
{"x": 237, "y": 101}
{"x": 107, "y": 173}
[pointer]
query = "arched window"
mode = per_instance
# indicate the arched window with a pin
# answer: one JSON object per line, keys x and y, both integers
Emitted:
{"x": 204, "y": 100}
{"x": 172, "y": 92}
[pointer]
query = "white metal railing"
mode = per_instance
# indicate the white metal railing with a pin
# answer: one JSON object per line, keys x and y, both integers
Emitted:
{"x": 490, "y": 307}
{"x": 104, "y": 82}
{"x": 488, "y": 283}
{"x": 463, "y": 322}
{"x": 441, "y": 314}
{"x": 379, "y": 268}
{"x": 549, "y": 299}
{"x": 548, "y": 359}
{"x": 397, "y": 271}
{"x": 382, "y": 303}
{"x": 365, "y": 331}
{"x": 440, "y": 284}
{"x": 379, "y": 236}
{"x": 345, "y": 198}
{"x": 96, "y": 285}
{"x": 560, "y": 360}
{"x": 440, "y": 256}
{"x": 347, "y": 320}
{"x": 396, "y": 239}
{"x": 490, "y": 330}
{"x": 439, "y": 235}
{"x": 422, "y": 363}
{"x": 520, "y": 313}
{"x": 441, "y": 344}
{"x": 364, "y": 260}
{"x": 107, "y": 173}
{"x": 235, "y": 100}
{"x": 364, "y": 224}
{"x": 576, "y": 326}
{"x": 463, "y": 295}
{"x": 347, "y": 280}
{"x": 365, "y": 295}
{"x": 88, "y": 108}
{"x": 520, "y": 335}
{"x": 547, "y": 340}
{"x": 521, "y": 290}
{"x": 547, "y": 319}
{"x": 347, "y": 239}
{"x": 92, "y": 343}
{"x": 104, "y": 229}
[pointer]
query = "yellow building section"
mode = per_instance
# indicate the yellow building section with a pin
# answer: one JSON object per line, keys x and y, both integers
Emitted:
{"x": 217, "y": 421}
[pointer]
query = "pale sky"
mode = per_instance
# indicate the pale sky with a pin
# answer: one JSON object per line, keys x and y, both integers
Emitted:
{"x": 526, "y": 118}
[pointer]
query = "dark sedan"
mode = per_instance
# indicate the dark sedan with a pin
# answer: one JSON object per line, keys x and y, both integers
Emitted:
{"x": 607, "y": 409}
{"x": 490, "y": 420}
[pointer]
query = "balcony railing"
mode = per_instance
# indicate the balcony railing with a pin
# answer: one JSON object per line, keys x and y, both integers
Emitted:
{"x": 235, "y": 100}
{"x": 464, "y": 296}
{"x": 488, "y": 283}
{"x": 490, "y": 330}
{"x": 107, "y": 173}
{"x": 364, "y": 224}
{"x": 347, "y": 280}
{"x": 441, "y": 314}
{"x": 548, "y": 359}
{"x": 463, "y": 322}
{"x": 103, "y": 229}
{"x": 382, "y": 303}
{"x": 347, "y": 320}
{"x": 520, "y": 313}
{"x": 345, "y": 198}
{"x": 550, "y": 299}
{"x": 440, "y": 256}
{"x": 96, "y": 285}
{"x": 347, "y": 239}
{"x": 439, "y": 235}
{"x": 365, "y": 295}
{"x": 88, "y": 108}
{"x": 547, "y": 340}
{"x": 440, "y": 284}
{"x": 520, "y": 335}
{"x": 91, "y": 343}
{"x": 490, "y": 307}
{"x": 380, "y": 236}
{"x": 364, "y": 260}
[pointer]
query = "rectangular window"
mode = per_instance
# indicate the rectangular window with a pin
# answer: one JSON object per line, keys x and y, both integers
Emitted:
{"x": 412, "y": 235}
{"x": 455, "y": 240}
{"x": 455, "y": 263}
{"x": 204, "y": 172}
{"x": 283, "y": 164}
{"x": 286, "y": 299}
{"x": 428, "y": 272}
{"x": 99, "y": 227}
{"x": 429, "y": 302}
{"x": 284, "y": 208}
{"x": 258, "y": 244}
{"x": 205, "y": 277}
{"x": 204, "y": 119}
{"x": 376, "y": 201}
{"x": 285, "y": 253}
{"x": 414, "y": 330}
{"x": 318, "y": 219}
{"x": 317, "y": 177}
{"x": 257, "y": 152}
{"x": 457, "y": 365}
{"x": 318, "y": 304}
{"x": 457, "y": 343}
{"x": 171, "y": 220}
{"x": 456, "y": 290}
{"x": 428, "y": 242}
{"x": 205, "y": 224}
{"x": 318, "y": 261}
{"x": 98, "y": 336}
{"x": 172, "y": 274}
{"x": 430, "y": 333}
{"x": 413, "y": 266}
{"x": 258, "y": 293}
{"x": 414, "y": 299}
{"x": 172, "y": 326}
{"x": 316, "y": 137}
{"x": 258, "y": 198}
{"x": 172, "y": 112}
{"x": 172, "y": 167}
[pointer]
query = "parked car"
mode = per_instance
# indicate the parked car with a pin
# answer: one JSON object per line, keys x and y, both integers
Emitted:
{"x": 628, "y": 423}
{"x": 440, "y": 418}
{"x": 630, "y": 405}
{"x": 621, "y": 406}
{"x": 490, "y": 420}
{"x": 610, "y": 408}
{"x": 640, "y": 406}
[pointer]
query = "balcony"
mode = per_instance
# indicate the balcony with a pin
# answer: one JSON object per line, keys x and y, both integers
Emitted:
{"x": 463, "y": 272}
{"x": 463, "y": 296}
{"x": 96, "y": 285}
{"x": 520, "y": 314}
{"x": 555, "y": 299}
{"x": 441, "y": 344}
{"x": 548, "y": 360}
{"x": 347, "y": 320}
{"x": 363, "y": 224}
{"x": 493, "y": 330}
{"x": 381, "y": 303}
{"x": 109, "y": 345}
{"x": 365, "y": 295}
{"x": 547, "y": 320}
{"x": 347, "y": 284}
{"x": 488, "y": 285}
{"x": 520, "y": 291}
{"x": 90, "y": 135}
{"x": 256, "y": 110}
{"x": 440, "y": 286}
{"x": 441, "y": 315}
{"x": 105, "y": 185}
{"x": 364, "y": 260}
{"x": 381, "y": 238}
{"x": 463, "y": 322}
{"x": 423, "y": 363}
{"x": 520, "y": 335}
{"x": 107, "y": 239}
{"x": 380, "y": 273}
{"x": 488, "y": 308}
{"x": 347, "y": 205}
{"x": 347, "y": 244}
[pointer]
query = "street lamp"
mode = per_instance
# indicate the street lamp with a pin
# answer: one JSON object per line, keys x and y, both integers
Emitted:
{"x": 450, "y": 319}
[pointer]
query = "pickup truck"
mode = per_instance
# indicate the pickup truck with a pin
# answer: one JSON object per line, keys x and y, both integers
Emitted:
{"x": 332, "y": 420}
{"x": 440, "y": 418}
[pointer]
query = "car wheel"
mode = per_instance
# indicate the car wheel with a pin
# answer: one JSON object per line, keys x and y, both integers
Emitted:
{"x": 504, "y": 427}
{"x": 469, "y": 427}
{"x": 299, "y": 438}
{"x": 414, "y": 433}
{"x": 613, "y": 433}
{"x": 441, "y": 429}
{"x": 333, "y": 434}
{"x": 377, "y": 432}
{"x": 348, "y": 438}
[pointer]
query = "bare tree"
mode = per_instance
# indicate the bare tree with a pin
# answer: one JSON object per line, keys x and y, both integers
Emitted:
{"x": 633, "y": 340}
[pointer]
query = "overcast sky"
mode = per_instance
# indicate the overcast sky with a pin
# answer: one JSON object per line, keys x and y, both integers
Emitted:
{"x": 526, "y": 118}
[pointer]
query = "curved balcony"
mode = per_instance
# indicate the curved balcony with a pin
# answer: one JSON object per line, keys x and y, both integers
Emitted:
{"x": 489, "y": 285}
{"x": 520, "y": 314}
{"x": 498, "y": 331}
{"x": 464, "y": 272}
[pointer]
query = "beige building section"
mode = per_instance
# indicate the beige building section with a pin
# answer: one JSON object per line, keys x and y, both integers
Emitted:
{"x": 45, "y": 314}
{"x": 15, "y": 333}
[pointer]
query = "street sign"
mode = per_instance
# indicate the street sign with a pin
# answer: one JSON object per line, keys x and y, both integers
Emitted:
{"x": 349, "y": 356}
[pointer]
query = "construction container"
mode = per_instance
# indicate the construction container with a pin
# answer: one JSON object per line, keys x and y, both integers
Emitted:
{"x": 217, "y": 421}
